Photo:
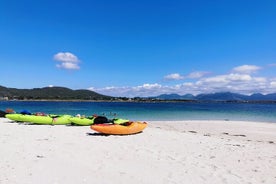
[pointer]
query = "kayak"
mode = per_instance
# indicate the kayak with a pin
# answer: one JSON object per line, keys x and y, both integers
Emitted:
{"x": 43, "y": 120}
{"x": 50, "y": 119}
{"x": 114, "y": 129}
{"x": 14, "y": 116}
{"x": 82, "y": 121}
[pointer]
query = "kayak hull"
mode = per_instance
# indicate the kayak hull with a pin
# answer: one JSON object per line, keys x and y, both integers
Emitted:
{"x": 14, "y": 117}
{"x": 82, "y": 121}
{"x": 113, "y": 129}
{"x": 50, "y": 120}
{"x": 42, "y": 120}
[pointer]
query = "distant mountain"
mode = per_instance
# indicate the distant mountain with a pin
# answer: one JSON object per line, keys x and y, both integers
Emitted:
{"x": 256, "y": 96}
{"x": 176, "y": 96}
{"x": 62, "y": 93}
{"x": 222, "y": 96}
{"x": 51, "y": 93}
{"x": 271, "y": 96}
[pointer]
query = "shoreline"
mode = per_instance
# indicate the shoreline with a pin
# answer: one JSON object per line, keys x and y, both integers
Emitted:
{"x": 189, "y": 151}
{"x": 152, "y": 101}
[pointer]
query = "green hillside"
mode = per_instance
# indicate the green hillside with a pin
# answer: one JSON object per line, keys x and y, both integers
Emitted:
{"x": 50, "y": 93}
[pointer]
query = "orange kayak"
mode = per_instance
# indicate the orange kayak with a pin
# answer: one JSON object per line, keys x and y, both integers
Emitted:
{"x": 131, "y": 128}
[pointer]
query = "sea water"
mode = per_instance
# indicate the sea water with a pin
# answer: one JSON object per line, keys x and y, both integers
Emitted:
{"x": 143, "y": 111}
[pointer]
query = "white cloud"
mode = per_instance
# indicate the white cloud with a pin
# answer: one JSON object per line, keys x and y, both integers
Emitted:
{"x": 68, "y": 61}
{"x": 69, "y": 66}
{"x": 188, "y": 84}
{"x": 195, "y": 75}
{"x": 150, "y": 86}
{"x": 238, "y": 83}
{"x": 246, "y": 69}
{"x": 241, "y": 80}
{"x": 142, "y": 90}
{"x": 260, "y": 79}
{"x": 115, "y": 91}
{"x": 173, "y": 76}
{"x": 238, "y": 77}
{"x": 273, "y": 84}
{"x": 66, "y": 57}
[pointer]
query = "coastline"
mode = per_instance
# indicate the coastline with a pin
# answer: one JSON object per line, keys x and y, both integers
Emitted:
{"x": 187, "y": 151}
{"x": 142, "y": 100}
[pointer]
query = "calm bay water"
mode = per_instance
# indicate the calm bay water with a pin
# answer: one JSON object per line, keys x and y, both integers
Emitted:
{"x": 152, "y": 111}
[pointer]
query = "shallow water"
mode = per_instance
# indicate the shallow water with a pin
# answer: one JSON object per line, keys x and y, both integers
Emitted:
{"x": 153, "y": 111}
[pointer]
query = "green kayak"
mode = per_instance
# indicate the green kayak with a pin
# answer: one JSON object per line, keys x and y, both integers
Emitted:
{"x": 14, "y": 117}
{"x": 119, "y": 121}
{"x": 43, "y": 120}
{"x": 83, "y": 121}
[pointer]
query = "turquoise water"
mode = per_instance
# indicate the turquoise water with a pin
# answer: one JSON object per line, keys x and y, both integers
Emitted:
{"x": 153, "y": 111}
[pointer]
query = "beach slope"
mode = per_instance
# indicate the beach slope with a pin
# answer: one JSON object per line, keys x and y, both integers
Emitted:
{"x": 206, "y": 152}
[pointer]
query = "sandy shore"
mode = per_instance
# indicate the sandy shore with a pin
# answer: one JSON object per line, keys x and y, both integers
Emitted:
{"x": 199, "y": 152}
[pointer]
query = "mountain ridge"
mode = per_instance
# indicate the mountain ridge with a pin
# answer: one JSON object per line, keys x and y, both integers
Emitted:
{"x": 219, "y": 96}
{"x": 63, "y": 93}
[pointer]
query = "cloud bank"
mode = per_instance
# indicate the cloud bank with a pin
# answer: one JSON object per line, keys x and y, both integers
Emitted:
{"x": 193, "y": 75}
{"x": 241, "y": 79}
{"x": 173, "y": 76}
{"x": 67, "y": 61}
{"x": 246, "y": 69}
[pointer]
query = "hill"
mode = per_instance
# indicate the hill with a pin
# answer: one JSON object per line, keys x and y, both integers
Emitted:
{"x": 51, "y": 93}
{"x": 62, "y": 93}
{"x": 222, "y": 96}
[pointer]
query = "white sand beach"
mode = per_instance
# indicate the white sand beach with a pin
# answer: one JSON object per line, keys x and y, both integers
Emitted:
{"x": 192, "y": 152}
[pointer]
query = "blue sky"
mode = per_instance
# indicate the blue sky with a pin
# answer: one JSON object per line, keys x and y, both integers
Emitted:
{"x": 139, "y": 48}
